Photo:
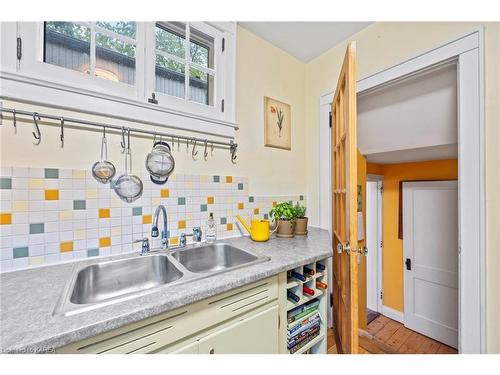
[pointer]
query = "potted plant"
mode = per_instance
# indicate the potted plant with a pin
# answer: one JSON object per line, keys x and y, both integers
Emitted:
{"x": 300, "y": 219}
{"x": 284, "y": 216}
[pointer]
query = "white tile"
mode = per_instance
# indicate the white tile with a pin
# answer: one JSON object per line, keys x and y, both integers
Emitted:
{"x": 6, "y": 171}
{"x": 36, "y": 239}
{"x": 51, "y": 183}
{"x": 36, "y": 216}
{"x": 67, "y": 256}
{"x": 5, "y": 206}
{"x": 20, "y": 183}
{"x": 37, "y": 172}
{"x": 51, "y": 237}
{"x": 6, "y": 265}
{"x": 80, "y": 244}
{"x": 52, "y": 248}
{"x": 20, "y": 263}
{"x": 66, "y": 235}
{"x": 36, "y": 250}
{"x": 36, "y": 195}
{"x": 6, "y": 195}
{"x": 52, "y": 258}
{"x": 66, "y": 173}
{"x": 20, "y": 172}
{"x": 19, "y": 218}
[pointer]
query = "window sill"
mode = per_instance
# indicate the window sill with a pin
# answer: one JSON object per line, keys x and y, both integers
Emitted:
{"x": 23, "y": 88}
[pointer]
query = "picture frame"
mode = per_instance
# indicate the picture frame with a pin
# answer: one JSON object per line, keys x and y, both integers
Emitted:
{"x": 277, "y": 124}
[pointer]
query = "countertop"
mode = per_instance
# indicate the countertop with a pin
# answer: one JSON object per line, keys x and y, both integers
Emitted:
{"x": 28, "y": 297}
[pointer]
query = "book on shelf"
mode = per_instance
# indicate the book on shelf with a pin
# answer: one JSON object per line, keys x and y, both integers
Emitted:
{"x": 303, "y": 339}
{"x": 299, "y": 320}
{"x": 312, "y": 322}
{"x": 296, "y": 311}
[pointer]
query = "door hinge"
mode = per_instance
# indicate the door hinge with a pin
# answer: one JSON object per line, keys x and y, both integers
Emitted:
{"x": 19, "y": 49}
{"x": 222, "y": 105}
{"x": 330, "y": 119}
{"x": 381, "y": 294}
{"x": 223, "y": 44}
{"x": 408, "y": 264}
{"x": 331, "y": 299}
{"x": 381, "y": 244}
{"x": 381, "y": 189}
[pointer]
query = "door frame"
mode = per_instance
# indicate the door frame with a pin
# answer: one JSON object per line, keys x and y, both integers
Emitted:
{"x": 379, "y": 179}
{"x": 468, "y": 51}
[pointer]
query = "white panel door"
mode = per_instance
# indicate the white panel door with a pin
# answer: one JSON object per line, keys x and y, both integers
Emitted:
{"x": 257, "y": 334}
{"x": 430, "y": 247}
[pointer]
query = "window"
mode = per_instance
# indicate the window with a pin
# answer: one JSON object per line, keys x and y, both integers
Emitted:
{"x": 113, "y": 46}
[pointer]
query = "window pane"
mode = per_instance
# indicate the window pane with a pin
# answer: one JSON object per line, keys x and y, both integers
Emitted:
{"x": 67, "y": 44}
{"x": 201, "y": 48}
{"x": 201, "y": 87}
{"x": 120, "y": 27}
{"x": 170, "y": 76}
{"x": 115, "y": 60}
{"x": 171, "y": 38}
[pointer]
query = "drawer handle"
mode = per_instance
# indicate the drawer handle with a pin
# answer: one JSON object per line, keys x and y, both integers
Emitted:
{"x": 212, "y": 351}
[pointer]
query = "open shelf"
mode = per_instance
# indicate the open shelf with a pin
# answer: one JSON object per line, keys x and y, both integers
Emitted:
{"x": 310, "y": 344}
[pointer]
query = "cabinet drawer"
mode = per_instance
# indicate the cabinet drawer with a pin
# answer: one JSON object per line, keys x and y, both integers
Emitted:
{"x": 157, "y": 332}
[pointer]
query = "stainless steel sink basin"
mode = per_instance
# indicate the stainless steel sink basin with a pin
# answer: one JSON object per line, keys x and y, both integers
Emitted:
{"x": 213, "y": 258}
{"x": 103, "y": 281}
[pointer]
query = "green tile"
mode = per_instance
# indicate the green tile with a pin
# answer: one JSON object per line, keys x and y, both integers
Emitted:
{"x": 93, "y": 252}
{"x": 37, "y": 228}
{"x": 136, "y": 211}
{"x": 216, "y": 178}
{"x": 181, "y": 201}
{"x": 223, "y": 220}
{"x": 20, "y": 252}
{"x": 266, "y": 216}
{"x": 240, "y": 186}
{"x": 203, "y": 207}
{"x": 301, "y": 197}
{"x": 250, "y": 199}
{"x": 51, "y": 173}
{"x": 79, "y": 204}
{"x": 5, "y": 183}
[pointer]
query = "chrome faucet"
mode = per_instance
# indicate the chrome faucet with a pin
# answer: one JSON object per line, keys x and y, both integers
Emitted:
{"x": 196, "y": 237}
{"x": 154, "y": 230}
{"x": 145, "y": 245}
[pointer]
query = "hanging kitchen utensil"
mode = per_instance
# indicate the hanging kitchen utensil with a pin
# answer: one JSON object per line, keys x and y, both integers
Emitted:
{"x": 128, "y": 186}
{"x": 103, "y": 170}
{"x": 160, "y": 162}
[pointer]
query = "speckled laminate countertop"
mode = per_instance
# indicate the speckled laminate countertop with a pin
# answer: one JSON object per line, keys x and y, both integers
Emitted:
{"x": 28, "y": 297}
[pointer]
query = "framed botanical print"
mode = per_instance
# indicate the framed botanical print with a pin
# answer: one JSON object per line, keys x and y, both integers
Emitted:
{"x": 277, "y": 124}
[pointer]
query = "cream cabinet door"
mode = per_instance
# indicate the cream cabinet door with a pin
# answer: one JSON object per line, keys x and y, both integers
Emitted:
{"x": 257, "y": 334}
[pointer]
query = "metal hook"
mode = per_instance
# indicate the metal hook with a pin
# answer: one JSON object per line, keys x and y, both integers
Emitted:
{"x": 212, "y": 149}
{"x": 193, "y": 153}
{"x": 14, "y": 119}
{"x": 205, "y": 153}
{"x": 173, "y": 143}
{"x": 122, "y": 143}
{"x": 178, "y": 144}
{"x": 232, "y": 148}
{"x": 37, "y": 134}
{"x": 62, "y": 132}
{"x": 187, "y": 145}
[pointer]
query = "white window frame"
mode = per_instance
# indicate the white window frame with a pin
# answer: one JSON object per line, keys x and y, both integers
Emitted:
{"x": 31, "y": 80}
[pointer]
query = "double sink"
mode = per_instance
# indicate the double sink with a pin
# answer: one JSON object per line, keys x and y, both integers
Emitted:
{"x": 109, "y": 282}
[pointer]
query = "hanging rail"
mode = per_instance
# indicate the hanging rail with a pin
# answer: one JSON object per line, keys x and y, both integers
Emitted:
{"x": 231, "y": 145}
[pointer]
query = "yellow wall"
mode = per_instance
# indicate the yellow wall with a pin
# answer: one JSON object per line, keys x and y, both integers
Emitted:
{"x": 384, "y": 44}
{"x": 261, "y": 69}
{"x": 392, "y": 258}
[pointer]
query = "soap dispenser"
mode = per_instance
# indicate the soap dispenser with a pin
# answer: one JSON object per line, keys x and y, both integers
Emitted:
{"x": 211, "y": 235}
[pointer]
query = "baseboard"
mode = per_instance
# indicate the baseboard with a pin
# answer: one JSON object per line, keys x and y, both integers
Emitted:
{"x": 396, "y": 315}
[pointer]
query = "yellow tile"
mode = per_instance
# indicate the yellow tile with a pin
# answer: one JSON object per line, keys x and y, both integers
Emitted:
{"x": 210, "y": 200}
{"x": 116, "y": 231}
{"x": 65, "y": 215}
{"x": 104, "y": 213}
{"x": 256, "y": 211}
{"x": 35, "y": 261}
{"x": 174, "y": 240}
{"x": 181, "y": 224}
{"x": 36, "y": 183}
{"x": 5, "y": 218}
{"x": 79, "y": 174}
{"x": 164, "y": 193}
{"x": 91, "y": 194}
{"x": 274, "y": 204}
{"x": 19, "y": 206}
{"x": 240, "y": 206}
{"x": 229, "y": 179}
{"x": 79, "y": 234}
{"x": 64, "y": 247}
{"x": 104, "y": 241}
{"x": 147, "y": 219}
{"x": 52, "y": 195}
{"x": 230, "y": 226}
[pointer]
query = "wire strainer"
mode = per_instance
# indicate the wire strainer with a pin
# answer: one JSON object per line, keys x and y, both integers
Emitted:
{"x": 128, "y": 186}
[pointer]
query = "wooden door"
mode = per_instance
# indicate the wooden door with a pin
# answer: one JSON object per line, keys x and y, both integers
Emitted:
{"x": 344, "y": 189}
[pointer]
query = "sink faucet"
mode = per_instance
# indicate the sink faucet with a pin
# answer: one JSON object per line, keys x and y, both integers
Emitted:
{"x": 145, "y": 245}
{"x": 164, "y": 232}
{"x": 196, "y": 237}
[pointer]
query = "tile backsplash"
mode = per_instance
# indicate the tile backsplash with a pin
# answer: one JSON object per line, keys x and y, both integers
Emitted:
{"x": 51, "y": 215}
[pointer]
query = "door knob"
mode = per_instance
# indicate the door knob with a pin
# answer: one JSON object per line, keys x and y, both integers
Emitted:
{"x": 344, "y": 248}
{"x": 363, "y": 251}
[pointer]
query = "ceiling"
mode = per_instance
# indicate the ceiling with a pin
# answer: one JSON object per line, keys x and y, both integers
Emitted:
{"x": 412, "y": 120}
{"x": 304, "y": 40}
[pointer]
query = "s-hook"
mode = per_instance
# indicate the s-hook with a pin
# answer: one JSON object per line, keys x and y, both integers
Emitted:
{"x": 62, "y": 132}
{"x": 193, "y": 151}
{"x": 232, "y": 149}
{"x": 14, "y": 121}
{"x": 178, "y": 144}
{"x": 122, "y": 143}
{"x": 36, "y": 133}
{"x": 205, "y": 152}
{"x": 212, "y": 149}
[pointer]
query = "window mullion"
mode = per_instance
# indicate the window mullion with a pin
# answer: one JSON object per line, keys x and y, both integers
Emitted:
{"x": 111, "y": 34}
{"x": 188, "y": 57}
{"x": 92, "y": 49}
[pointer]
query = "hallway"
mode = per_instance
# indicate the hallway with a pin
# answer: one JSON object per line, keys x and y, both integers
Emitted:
{"x": 386, "y": 336}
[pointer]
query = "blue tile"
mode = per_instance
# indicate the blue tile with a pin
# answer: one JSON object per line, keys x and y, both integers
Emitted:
{"x": 136, "y": 211}
{"x": 223, "y": 220}
{"x": 92, "y": 252}
{"x": 266, "y": 216}
{"x": 20, "y": 252}
{"x": 240, "y": 186}
{"x": 216, "y": 178}
{"x": 301, "y": 197}
{"x": 181, "y": 201}
{"x": 51, "y": 173}
{"x": 79, "y": 204}
{"x": 5, "y": 183}
{"x": 203, "y": 208}
{"x": 37, "y": 228}
{"x": 250, "y": 199}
